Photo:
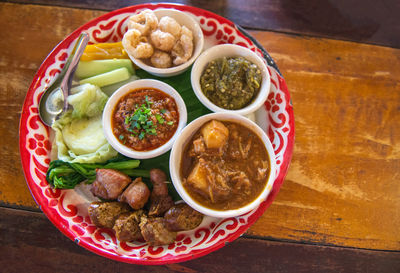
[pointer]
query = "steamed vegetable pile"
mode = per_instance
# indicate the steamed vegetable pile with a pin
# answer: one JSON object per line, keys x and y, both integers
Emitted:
{"x": 79, "y": 142}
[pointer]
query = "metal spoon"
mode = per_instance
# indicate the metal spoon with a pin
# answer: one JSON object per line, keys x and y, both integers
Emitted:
{"x": 51, "y": 105}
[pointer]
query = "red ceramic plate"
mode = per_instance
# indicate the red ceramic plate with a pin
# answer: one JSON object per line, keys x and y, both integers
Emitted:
{"x": 67, "y": 209}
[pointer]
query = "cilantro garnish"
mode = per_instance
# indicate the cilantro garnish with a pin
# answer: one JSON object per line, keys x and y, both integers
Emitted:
{"x": 159, "y": 119}
{"x": 140, "y": 122}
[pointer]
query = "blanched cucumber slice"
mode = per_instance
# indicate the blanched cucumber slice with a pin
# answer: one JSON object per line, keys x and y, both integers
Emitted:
{"x": 96, "y": 67}
{"x": 114, "y": 76}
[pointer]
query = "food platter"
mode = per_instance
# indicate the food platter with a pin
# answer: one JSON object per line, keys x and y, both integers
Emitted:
{"x": 67, "y": 209}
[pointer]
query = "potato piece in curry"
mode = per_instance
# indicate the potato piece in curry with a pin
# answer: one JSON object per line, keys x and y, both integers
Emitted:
{"x": 225, "y": 165}
{"x": 215, "y": 134}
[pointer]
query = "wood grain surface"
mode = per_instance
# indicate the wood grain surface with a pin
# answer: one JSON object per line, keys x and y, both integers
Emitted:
{"x": 343, "y": 183}
{"x": 342, "y": 186}
{"x": 47, "y": 250}
{"x": 367, "y": 21}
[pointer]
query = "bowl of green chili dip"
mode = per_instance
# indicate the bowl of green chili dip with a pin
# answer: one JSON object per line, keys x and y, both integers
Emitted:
{"x": 230, "y": 78}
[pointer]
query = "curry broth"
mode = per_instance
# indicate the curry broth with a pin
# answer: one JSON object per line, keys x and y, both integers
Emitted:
{"x": 235, "y": 173}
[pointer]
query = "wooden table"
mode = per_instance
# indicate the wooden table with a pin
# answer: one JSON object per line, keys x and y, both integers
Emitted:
{"x": 339, "y": 207}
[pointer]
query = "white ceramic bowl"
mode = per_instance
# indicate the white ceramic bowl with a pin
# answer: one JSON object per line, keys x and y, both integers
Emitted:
{"x": 183, "y": 139}
{"x": 122, "y": 91}
{"x": 183, "y": 19}
{"x": 230, "y": 50}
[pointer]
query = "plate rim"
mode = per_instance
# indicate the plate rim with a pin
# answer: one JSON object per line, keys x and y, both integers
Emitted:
{"x": 23, "y": 132}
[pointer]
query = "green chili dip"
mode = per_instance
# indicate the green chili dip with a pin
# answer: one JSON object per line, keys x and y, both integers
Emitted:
{"x": 231, "y": 83}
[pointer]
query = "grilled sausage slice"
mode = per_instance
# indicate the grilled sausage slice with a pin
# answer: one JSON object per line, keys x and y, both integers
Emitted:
{"x": 182, "y": 217}
{"x": 104, "y": 214}
{"x": 126, "y": 227}
{"x": 155, "y": 232}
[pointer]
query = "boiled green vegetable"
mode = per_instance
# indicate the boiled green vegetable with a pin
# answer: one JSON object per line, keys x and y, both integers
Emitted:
{"x": 79, "y": 134}
{"x": 96, "y": 67}
{"x": 65, "y": 175}
{"x": 114, "y": 76}
{"x": 87, "y": 100}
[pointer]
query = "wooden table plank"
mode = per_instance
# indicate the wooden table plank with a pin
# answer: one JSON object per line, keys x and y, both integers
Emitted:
{"x": 342, "y": 187}
{"x": 45, "y": 249}
{"x": 343, "y": 180}
{"x": 367, "y": 21}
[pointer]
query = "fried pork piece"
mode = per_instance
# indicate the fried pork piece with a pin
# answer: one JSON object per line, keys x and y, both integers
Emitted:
{"x": 136, "y": 195}
{"x": 160, "y": 201}
{"x": 109, "y": 184}
{"x": 126, "y": 227}
{"x": 182, "y": 217}
{"x": 154, "y": 231}
{"x": 157, "y": 176}
{"x": 104, "y": 214}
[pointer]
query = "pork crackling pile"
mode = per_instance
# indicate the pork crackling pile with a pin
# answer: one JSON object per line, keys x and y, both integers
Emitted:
{"x": 165, "y": 43}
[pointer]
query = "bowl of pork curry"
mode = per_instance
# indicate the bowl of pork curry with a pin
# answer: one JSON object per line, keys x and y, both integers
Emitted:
{"x": 223, "y": 165}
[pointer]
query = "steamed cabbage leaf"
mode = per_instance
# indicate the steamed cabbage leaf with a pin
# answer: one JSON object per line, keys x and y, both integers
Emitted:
{"x": 79, "y": 136}
{"x": 87, "y": 100}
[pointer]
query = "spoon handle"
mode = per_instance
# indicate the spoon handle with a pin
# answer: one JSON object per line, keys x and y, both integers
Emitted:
{"x": 72, "y": 65}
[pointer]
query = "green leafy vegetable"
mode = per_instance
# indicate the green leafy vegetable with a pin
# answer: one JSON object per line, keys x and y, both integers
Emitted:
{"x": 87, "y": 101}
{"x": 65, "y": 175}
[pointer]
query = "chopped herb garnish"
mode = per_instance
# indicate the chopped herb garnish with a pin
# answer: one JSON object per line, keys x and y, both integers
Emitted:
{"x": 159, "y": 119}
{"x": 151, "y": 131}
{"x": 140, "y": 122}
{"x": 170, "y": 122}
{"x": 163, "y": 111}
{"x": 121, "y": 137}
{"x": 146, "y": 99}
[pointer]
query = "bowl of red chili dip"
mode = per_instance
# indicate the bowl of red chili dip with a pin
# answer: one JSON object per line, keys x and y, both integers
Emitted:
{"x": 230, "y": 78}
{"x": 223, "y": 165}
{"x": 143, "y": 118}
